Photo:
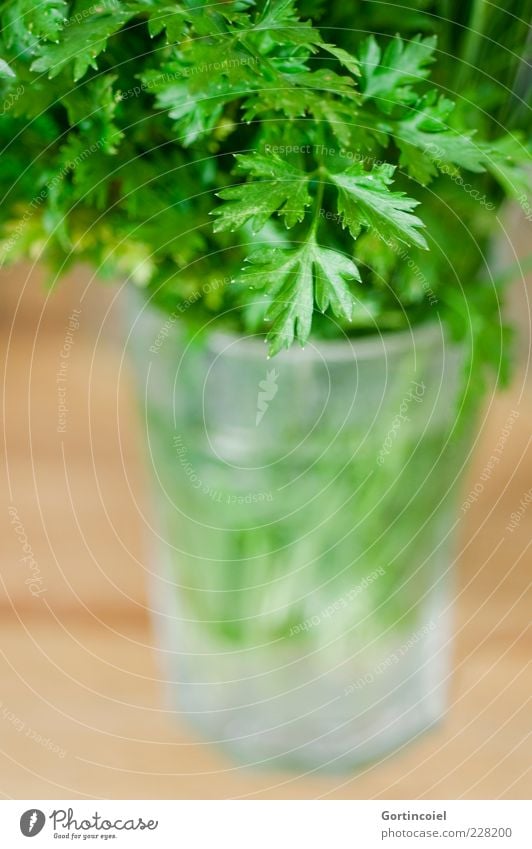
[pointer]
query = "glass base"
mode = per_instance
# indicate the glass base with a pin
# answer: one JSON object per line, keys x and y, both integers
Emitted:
{"x": 319, "y": 742}
{"x": 332, "y": 708}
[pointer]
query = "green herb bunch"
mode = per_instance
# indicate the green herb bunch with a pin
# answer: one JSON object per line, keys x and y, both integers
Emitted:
{"x": 283, "y": 167}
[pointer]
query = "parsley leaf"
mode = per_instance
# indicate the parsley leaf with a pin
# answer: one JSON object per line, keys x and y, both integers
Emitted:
{"x": 170, "y": 19}
{"x": 426, "y": 129}
{"x": 322, "y": 95}
{"x": 387, "y": 78}
{"x": 26, "y": 21}
{"x": 280, "y": 20}
{"x": 365, "y": 200}
{"x": 294, "y": 280}
{"x": 283, "y": 189}
{"x": 196, "y": 86}
{"x": 346, "y": 59}
{"x": 509, "y": 159}
{"x": 83, "y": 41}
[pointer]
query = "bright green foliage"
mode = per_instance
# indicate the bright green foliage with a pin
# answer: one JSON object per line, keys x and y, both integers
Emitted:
{"x": 388, "y": 78}
{"x": 283, "y": 189}
{"x": 424, "y": 133}
{"x": 170, "y": 140}
{"x": 280, "y": 21}
{"x": 507, "y": 160}
{"x": 28, "y": 20}
{"x": 81, "y": 44}
{"x": 5, "y": 70}
{"x": 349, "y": 62}
{"x": 295, "y": 280}
{"x": 169, "y": 19}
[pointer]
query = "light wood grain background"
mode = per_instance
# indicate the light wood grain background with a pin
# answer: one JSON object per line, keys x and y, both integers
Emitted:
{"x": 81, "y": 712}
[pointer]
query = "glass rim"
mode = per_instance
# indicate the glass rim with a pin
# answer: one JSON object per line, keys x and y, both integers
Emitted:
{"x": 376, "y": 345}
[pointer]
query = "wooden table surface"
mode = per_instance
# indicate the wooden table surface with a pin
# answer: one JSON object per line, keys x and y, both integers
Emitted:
{"x": 81, "y": 713}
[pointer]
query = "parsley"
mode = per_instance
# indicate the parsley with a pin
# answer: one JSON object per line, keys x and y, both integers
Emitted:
{"x": 320, "y": 170}
{"x": 297, "y": 279}
{"x": 283, "y": 189}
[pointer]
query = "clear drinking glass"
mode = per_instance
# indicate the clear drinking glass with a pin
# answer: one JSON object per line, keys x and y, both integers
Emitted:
{"x": 305, "y": 508}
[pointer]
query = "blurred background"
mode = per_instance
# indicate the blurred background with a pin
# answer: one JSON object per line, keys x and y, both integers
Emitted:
{"x": 82, "y": 712}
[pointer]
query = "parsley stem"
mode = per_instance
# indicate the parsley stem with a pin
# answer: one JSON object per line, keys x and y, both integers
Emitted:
{"x": 319, "y": 202}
